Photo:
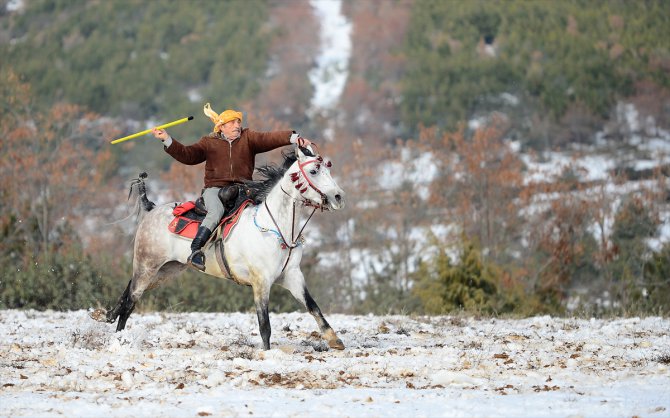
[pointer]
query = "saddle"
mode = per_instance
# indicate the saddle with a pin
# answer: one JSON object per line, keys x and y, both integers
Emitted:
{"x": 189, "y": 215}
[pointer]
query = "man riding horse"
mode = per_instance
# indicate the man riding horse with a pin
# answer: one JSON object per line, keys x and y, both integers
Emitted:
{"x": 229, "y": 154}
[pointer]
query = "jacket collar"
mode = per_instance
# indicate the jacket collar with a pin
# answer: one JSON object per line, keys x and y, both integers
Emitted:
{"x": 219, "y": 135}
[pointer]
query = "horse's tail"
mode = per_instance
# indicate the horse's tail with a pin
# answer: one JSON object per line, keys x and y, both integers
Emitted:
{"x": 138, "y": 192}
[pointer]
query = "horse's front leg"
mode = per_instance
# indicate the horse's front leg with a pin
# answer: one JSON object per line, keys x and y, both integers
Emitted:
{"x": 294, "y": 281}
{"x": 261, "y": 300}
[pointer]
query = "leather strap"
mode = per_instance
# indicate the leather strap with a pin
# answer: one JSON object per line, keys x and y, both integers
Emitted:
{"x": 220, "y": 252}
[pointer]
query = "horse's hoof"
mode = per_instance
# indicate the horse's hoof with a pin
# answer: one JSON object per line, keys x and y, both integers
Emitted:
{"x": 336, "y": 344}
{"x": 333, "y": 342}
{"x": 99, "y": 315}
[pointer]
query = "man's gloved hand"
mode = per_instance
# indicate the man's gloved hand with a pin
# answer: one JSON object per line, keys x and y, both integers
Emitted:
{"x": 303, "y": 142}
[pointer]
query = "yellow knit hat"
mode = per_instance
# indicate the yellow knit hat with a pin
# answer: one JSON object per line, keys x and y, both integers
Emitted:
{"x": 224, "y": 117}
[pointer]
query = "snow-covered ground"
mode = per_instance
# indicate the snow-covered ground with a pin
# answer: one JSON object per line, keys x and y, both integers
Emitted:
{"x": 183, "y": 365}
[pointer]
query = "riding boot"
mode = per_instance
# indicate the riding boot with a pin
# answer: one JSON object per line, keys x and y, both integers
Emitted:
{"x": 197, "y": 257}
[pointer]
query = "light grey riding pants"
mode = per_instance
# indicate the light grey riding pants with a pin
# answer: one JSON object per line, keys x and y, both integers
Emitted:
{"x": 214, "y": 208}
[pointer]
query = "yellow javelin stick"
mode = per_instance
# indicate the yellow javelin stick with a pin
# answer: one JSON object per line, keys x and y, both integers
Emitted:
{"x": 167, "y": 125}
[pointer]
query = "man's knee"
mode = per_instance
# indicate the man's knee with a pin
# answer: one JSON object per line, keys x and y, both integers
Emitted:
{"x": 214, "y": 208}
{"x": 211, "y": 198}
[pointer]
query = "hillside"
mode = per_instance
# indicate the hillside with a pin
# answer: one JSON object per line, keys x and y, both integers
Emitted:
{"x": 567, "y": 63}
{"x": 499, "y": 157}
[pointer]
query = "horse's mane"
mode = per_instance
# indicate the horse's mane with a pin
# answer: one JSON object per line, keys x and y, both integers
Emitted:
{"x": 271, "y": 174}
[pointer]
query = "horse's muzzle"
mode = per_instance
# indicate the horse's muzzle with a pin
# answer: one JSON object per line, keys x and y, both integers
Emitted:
{"x": 335, "y": 202}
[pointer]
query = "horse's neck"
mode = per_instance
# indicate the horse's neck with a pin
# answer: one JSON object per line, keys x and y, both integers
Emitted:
{"x": 284, "y": 209}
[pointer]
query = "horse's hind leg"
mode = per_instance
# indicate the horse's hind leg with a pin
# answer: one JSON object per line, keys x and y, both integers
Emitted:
{"x": 294, "y": 281}
{"x": 151, "y": 277}
{"x": 114, "y": 313}
{"x": 126, "y": 307}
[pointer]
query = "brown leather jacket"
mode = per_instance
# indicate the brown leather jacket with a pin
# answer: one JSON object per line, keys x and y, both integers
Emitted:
{"x": 228, "y": 162}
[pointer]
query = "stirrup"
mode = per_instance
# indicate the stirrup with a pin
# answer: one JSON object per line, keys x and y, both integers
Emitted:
{"x": 197, "y": 260}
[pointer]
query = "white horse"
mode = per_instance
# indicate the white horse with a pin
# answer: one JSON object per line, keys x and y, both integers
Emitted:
{"x": 265, "y": 247}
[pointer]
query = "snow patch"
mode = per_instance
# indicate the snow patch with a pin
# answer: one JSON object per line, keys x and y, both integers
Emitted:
{"x": 14, "y": 5}
{"x": 330, "y": 74}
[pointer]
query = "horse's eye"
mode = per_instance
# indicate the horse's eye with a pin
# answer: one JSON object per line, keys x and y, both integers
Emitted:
{"x": 312, "y": 172}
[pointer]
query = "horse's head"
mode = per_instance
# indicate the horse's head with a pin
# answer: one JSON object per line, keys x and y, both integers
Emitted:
{"x": 310, "y": 175}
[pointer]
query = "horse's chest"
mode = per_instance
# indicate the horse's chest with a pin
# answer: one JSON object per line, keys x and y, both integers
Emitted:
{"x": 262, "y": 261}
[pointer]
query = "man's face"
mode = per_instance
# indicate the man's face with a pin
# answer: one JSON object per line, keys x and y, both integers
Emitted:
{"x": 232, "y": 129}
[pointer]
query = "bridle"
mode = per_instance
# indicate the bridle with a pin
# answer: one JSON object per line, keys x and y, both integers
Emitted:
{"x": 302, "y": 188}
